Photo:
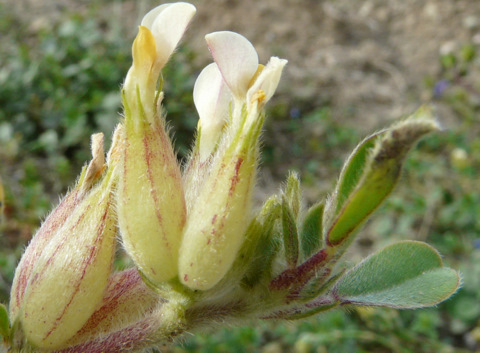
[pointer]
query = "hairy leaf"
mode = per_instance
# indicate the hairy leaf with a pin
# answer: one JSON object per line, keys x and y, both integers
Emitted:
{"x": 408, "y": 274}
{"x": 261, "y": 244}
{"x": 371, "y": 174}
{"x": 311, "y": 234}
{"x": 290, "y": 234}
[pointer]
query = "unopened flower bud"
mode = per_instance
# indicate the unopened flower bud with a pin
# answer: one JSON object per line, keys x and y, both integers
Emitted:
{"x": 150, "y": 201}
{"x": 53, "y": 223}
{"x": 219, "y": 217}
{"x": 70, "y": 272}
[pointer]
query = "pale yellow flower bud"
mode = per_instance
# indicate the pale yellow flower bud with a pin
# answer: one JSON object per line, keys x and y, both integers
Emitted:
{"x": 60, "y": 290}
{"x": 150, "y": 201}
{"x": 53, "y": 223}
{"x": 219, "y": 217}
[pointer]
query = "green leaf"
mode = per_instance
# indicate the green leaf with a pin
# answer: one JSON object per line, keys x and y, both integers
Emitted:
{"x": 408, "y": 274}
{"x": 353, "y": 169}
{"x": 4, "y": 322}
{"x": 261, "y": 244}
{"x": 261, "y": 266}
{"x": 290, "y": 235}
{"x": 311, "y": 234}
{"x": 371, "y": 173}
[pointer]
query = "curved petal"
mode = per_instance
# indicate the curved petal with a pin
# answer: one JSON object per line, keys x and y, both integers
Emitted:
{"x": 210, "y": 94}
{"x": 236, "y": 58}
{"x": 268, "y": 80}
{"x": 150, "y": 17}
{"x": 168, "y": 28}
{"x": 211, "y": 97}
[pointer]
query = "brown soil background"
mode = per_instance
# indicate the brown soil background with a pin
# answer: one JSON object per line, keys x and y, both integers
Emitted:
{"x": 367, "y": 59}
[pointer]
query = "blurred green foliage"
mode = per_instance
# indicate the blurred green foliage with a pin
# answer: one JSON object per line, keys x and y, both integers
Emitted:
{"x": 60, "y": 84}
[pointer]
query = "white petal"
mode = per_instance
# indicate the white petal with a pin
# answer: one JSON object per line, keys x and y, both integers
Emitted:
{"x": 148, "y": 19}
{"x": 236, "y": 58}
{"x": 211, "y": 97}
{"x": 169, "y": 26}
{"x": 268, "y": 79}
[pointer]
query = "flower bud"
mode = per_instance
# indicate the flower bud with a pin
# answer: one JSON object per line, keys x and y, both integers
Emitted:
{"x": 219, "y": 217}
{"x": 69, "y": 276}
{"x": 151, "y": 204}
{"x": 53, "y": 223}
{"x": 34, "y": 250}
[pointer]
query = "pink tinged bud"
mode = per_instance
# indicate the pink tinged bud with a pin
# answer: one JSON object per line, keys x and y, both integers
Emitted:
{"x": 217, "y": 221}
{"x": 150, "y": 201}
{"x": 34, "y": 250}
{"x": 236, "y": 58}
{"x": 212, "y": 98}
{"x": 127, "y": 300}
{"x": 69, "y": 278}
{"x": 52, "y": 225}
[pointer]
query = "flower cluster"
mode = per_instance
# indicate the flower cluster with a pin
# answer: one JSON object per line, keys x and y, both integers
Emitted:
{"x": 201, "y": 254}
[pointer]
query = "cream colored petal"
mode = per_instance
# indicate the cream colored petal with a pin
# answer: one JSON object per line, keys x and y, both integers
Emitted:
{"x": 236, "y": 58}
{"x": 168, "y": 28}
{"x": 211, "y": 97}
{"x": 150, "y": 17}
{"x": 268, "y": 80}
